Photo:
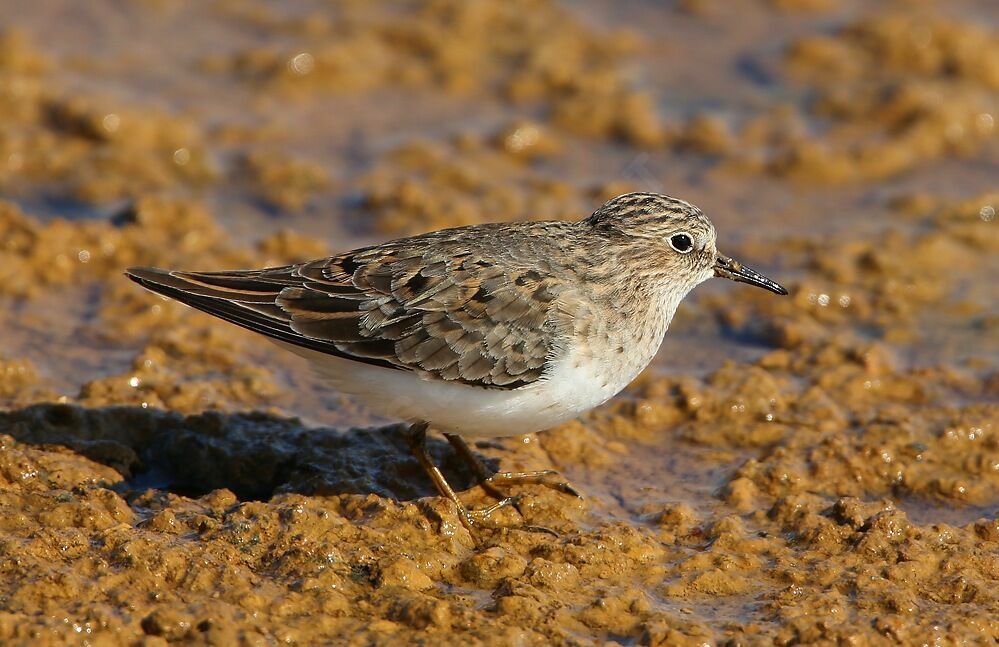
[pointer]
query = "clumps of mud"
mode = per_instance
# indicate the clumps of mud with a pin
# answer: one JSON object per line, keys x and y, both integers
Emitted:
{"x": 283, "y": 182}
{"x": 716, "y": 8}
{"x": 19, "y": 381}
{"x": 96, "y": 149}
{"x": 179, "y": 363}
{"x": 888, "y": 92}
{"x": 121, "y": 504}
{"x": 423, "y": 186}
{"x": 838, "y": 482}
{"x": 92, "y": 151}
{"x": 891, "y": 286}
{"x": 892, "y": 91}
{"x": 41, "y": 256}
{"x": 824, "y": 492}
{"x": 523, "y": 53}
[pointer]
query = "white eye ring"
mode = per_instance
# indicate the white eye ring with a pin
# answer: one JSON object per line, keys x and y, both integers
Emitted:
{"x": 681, "y": 242}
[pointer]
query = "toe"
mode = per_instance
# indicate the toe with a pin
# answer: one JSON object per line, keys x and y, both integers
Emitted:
{"x": 567, "y": 488}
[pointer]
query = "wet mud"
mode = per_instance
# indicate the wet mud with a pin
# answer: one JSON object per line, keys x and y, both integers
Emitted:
{"x": 821, "y": 468}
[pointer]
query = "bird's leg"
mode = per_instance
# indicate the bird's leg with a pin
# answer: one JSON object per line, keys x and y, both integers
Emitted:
{"x": 482, "y": 473}
{"x": 548, "y": 478}
{"x": 488, "y": 479}
{"x": 418, "y": 445}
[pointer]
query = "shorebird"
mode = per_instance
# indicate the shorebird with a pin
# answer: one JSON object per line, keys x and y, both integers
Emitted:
{"x": 482, "y": 331}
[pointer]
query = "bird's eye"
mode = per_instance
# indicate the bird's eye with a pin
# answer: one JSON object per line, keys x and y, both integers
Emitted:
{"x": 681, "y": 243}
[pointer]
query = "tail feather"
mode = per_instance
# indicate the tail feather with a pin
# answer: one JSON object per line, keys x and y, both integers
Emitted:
{"x": 241, "y": 306}
{"x": 230, "y": 286}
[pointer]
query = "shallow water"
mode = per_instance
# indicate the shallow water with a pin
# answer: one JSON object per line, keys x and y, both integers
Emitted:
{"x": 821, "y": 467}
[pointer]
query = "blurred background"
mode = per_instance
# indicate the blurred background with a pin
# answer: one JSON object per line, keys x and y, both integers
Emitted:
{"x": 242, "y": 132}
{"x": 849, "y": 149}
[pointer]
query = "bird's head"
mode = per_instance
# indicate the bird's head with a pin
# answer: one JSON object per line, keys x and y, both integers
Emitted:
{"x": 675, "y": 240}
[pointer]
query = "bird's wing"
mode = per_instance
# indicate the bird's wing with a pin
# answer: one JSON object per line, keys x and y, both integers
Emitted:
{"x": 454, "y": 317}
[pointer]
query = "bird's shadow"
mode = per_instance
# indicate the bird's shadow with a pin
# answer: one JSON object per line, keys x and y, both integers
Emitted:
{"x": 255, "y": 455}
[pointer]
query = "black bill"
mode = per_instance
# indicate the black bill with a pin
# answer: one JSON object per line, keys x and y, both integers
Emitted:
{"x": 733, "y": 269}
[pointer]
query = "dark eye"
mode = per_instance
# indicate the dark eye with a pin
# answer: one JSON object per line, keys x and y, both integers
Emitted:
{"x": 681, "y": 243}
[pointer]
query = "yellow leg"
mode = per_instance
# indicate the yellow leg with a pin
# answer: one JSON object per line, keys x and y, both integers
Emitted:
{"x": 470, "y": 518}
{"x": 488, "y": 480}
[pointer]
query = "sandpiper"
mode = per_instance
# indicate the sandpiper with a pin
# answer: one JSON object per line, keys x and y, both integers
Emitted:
{"x": 483, "y": 331}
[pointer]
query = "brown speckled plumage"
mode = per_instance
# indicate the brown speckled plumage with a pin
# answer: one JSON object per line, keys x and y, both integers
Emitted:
{"x": 483, "y": 305}
{"x": 490, "y": 330}
{"x": 471, "y": 305}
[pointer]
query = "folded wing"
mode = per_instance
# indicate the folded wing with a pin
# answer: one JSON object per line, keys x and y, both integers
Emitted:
{"x": 454, "y": 316}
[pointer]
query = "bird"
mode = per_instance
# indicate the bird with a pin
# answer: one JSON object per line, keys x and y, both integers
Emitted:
{"x": 481, "y": 331}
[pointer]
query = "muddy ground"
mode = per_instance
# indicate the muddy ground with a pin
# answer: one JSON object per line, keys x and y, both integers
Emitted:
{"x": 822, "y": 468}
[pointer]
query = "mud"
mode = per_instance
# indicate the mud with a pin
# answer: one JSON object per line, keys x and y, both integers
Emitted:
{"x": 822, "y": 468}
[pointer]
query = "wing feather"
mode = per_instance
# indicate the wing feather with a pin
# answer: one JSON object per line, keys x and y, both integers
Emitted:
{"x": 435, "y": 310}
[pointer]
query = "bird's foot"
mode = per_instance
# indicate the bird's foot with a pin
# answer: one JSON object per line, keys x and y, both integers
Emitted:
{"x": 478, "y": 519}
{"x": 548, "y": 478}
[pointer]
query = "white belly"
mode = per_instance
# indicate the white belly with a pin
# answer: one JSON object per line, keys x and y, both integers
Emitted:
{"x": 574, "y": 385}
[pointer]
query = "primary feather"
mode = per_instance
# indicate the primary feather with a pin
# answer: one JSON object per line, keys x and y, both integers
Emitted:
{"x": 435, "y": 304}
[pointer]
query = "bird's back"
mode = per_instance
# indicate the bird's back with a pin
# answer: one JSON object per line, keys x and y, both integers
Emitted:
{"x": 473, "y": 305}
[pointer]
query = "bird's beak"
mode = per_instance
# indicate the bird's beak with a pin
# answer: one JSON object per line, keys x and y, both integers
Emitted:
{"x": 733, "y": 269}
